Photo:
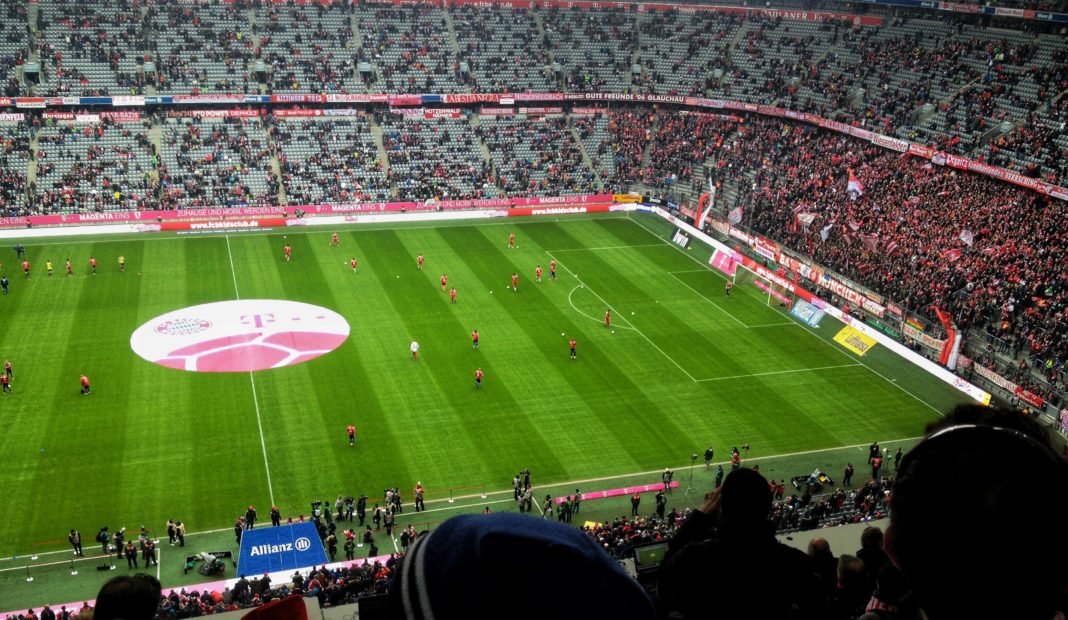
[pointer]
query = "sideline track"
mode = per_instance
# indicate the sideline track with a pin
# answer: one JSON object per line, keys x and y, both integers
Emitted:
{"x": 482, "y": 502}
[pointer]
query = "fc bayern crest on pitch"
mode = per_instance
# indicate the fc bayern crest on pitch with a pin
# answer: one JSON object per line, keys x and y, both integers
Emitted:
{"x": 239, "y": 336}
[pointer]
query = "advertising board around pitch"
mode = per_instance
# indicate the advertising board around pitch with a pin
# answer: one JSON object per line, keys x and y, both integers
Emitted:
{"x": 284, "y": 548}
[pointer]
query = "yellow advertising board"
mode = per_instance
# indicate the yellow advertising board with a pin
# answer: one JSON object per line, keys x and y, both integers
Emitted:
{"x": 854, "y": 340}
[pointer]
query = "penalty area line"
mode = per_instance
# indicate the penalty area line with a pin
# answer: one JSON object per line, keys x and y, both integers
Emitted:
{"x": 780, "y": 372}
{"x": 632, "y": 326}
{"x": 252, "y": 382}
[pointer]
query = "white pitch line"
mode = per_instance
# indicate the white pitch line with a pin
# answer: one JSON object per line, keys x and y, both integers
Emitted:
{"x": 887, "y": 379}
{"x": 310, "y": 230}
{"x": 609, "y": 247}
{"x": 639, "y": 332}
{"x": 780, "y": 372}
{"x": 252, "y": 381}
{"x": 592, "y": 318}
{"x": 714, "y": 304}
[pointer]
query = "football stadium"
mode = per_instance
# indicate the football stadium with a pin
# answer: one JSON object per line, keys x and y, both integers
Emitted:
{"x": 415, "y": 309}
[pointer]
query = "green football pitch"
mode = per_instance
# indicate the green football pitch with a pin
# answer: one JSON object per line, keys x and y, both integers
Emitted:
{"x": 681, "y": 368}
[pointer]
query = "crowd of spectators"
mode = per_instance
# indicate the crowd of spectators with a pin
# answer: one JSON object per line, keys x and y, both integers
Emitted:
{"x": 211, "y": 163}
{"x": 14, "y": 47}
{"x": 956, "y": 83}
{"x": 535, "y": 156}
{"x": 329, "y": 161}
{"x": 680, "y": 145}
{"x": 199, "y": 48}
{"x": 503, "y": 49}
{"x": 411, "y": 47}
{"x": 615, "y": 143}
{"x": 307, "y": 50}
{"x": 14, "y": 160}
{"x": 90, "y": 49}
{"x": 595, "y": 47}
{"x": 102, "y": 166}
{"x": 435, "y": 159}
{"x": 331, "y": 586}
{"x": 996, "y": 259}
{"x": 681, "y": 52}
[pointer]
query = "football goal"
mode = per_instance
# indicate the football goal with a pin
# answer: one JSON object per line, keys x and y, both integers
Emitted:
{"x": 773, "y": 289}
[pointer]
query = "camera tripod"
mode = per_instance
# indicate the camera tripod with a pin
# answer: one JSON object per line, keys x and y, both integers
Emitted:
{"x": 689, "y": 482}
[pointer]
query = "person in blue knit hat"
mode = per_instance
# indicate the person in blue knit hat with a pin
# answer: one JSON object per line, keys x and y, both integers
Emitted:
{"x": 473, "y": 566}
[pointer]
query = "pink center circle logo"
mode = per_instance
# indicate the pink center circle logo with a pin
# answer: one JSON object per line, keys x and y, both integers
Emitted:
{"x": 240, "y": 336}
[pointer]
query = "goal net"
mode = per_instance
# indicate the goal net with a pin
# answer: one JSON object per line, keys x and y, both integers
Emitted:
{"x": 767, "y": 288}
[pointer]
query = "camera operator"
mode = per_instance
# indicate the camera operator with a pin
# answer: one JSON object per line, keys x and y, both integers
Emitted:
{"x": 667, "y": 476}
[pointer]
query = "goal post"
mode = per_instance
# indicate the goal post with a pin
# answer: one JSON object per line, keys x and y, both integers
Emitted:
{"x": 773, "y": 293}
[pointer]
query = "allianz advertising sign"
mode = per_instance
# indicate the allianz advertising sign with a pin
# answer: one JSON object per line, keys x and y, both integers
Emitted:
{"x": 283, "y": 548}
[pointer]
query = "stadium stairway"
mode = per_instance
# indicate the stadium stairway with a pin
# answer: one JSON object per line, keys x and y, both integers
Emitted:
{"x": 483, "y": 149}
{"x": 454, "y": 44}
{"x": 383, "y": 156}
{"x": 357, "y": 46}
{"x": 276, "y": 169}
{"x": 585, "y": 157}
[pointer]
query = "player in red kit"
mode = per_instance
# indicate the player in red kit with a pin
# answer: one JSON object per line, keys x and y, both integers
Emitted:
{"x": 537, "y": 274}
{"x": 478, "y": 378}
{"x": 474, "y": 339}
{"x": 352, "y": 435}
{"x": 552, "y": 269}
{"x": 354, "y": 264}
{"x": 5, "y": 381}
{"x": 288, "y": 251}
{"x": 7, "y": 369}
{"x": 515, "y": 282}
{"x": 26, "y": 268}
{"x": 572, "y": 345}
{"x": 452, "y": 294}
{"x": 608, "y": 318}
{"x": 511, "y": 241}
{"x": 419, "y": 261}
{"x": 85, "y": 385}
{"x": 92, "y": 264}
{"x": 70, "y": 270}
{"x": 444, "y": 281}
{"x": 334, "y": 240}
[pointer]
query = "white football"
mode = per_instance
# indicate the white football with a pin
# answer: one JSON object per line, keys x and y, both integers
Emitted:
{"x": 561, "y": 333}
